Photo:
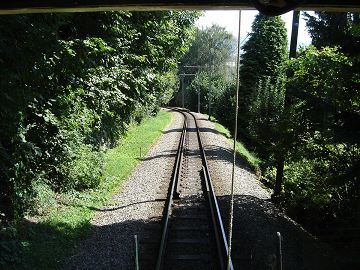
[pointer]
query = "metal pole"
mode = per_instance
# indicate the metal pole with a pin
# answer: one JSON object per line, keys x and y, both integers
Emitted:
{"x": 199, "y": 96}
{"x": 280, "y": 163}
{"x": 182, "y": 89}
{"x": 234, "y": 146}
{"x": 198, "y": 100}
{"x": 209, "y": 96}
{"x": 294, "y": 33}
{"x": 137, "y": 267}
{"x": 209, "y": 93}
{"x": 279, "y": 252}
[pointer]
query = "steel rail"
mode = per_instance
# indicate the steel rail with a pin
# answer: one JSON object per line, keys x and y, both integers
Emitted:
{"x": 215, "y": 223}
{"x": 214, "y": 206}
{"x": 218, "y": 227}
{"x": 173, "y": 187}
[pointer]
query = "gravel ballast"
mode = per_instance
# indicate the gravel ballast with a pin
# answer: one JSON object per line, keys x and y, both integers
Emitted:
{"x": 256, "y": 219}
{"x": 111, "y": 244}
{"x": 139, "y": 205}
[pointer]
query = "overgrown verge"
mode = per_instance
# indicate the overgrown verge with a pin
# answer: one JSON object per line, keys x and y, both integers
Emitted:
{"x": 300, "y": 116}
{"x": 44, "y": 241}
{"x": 70, "y": 85}
{"x": 248, "y": 157}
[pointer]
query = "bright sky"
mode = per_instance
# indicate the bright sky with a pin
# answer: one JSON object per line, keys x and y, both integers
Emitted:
{"x": 229, "y": 20}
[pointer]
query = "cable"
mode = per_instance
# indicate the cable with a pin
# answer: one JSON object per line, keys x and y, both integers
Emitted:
{"x": 234, "y": 147}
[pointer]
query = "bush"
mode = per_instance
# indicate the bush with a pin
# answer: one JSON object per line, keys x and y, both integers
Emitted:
{"x": 10, "y": 253}
{"x": 75, "y": 83}
{"x": 44, "y": 199}
{"x": 225, "y": 109}
{"x": 85, "y": 170}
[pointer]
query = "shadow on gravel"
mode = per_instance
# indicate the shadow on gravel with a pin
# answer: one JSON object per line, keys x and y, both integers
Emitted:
{"x": 111, "y": 209}
{"x": 224, "y": 154}
{"x": 165, "y": 154}
{"x": 113, "y": 246}
{"x": 202, "y": 129}
{"x": 212, "y": 152}
{"x": 172, "y": 130}
{"x": 211, "y": 130}
{"x": 256, "y": 222}
{"x": 57, "y": 245}
{"x": 203, "y": 119}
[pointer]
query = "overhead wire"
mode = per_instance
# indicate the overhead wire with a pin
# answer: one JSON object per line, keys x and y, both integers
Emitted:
{"x": 234, "y": 147}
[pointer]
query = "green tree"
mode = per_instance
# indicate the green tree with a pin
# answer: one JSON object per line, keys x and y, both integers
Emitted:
{"x": 213, "y": 44}
{"x": 212, "y": 52}
{"x": 325, "y": 90}
{"x": 264, "y": 56}
{"x": 265, "y": 114}
{"x": 335, "y": 29}
{"x": 262, "y": 91}
{"x": 70, "y": 84}
{"x": 324, "y": 97}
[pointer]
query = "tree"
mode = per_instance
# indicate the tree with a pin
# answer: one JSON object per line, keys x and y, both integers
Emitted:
{"x": 324, "y": 97}
{"x": 212, "y": 45}
{"x": 264, "y": 56}
{"x": 265, "y": 114}
{"x": 262, "y": 92}
{"x": 70, "y": 85}
{"x": 334, "y": 112}
{"x": 335, "y": 29}
{"x": 212, "y": 52}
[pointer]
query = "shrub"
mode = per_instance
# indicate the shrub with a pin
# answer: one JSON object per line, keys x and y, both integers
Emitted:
{"x": 85, "y": 169}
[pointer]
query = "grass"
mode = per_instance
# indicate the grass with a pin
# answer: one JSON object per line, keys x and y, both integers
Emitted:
{"x": 249, "y": 157}
{"x": 46, "y": 241}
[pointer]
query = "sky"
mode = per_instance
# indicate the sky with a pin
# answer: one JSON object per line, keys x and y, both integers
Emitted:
{"x": 229, "y": 20}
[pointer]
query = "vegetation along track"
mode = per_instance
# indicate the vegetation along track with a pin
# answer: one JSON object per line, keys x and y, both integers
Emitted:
{"x": 193, "y": 235}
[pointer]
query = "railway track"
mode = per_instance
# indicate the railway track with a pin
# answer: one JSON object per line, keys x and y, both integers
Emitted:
{"x": 192, "y": 235}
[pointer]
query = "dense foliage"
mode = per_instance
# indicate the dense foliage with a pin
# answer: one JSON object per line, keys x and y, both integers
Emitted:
{"x": 323, "y": 166}
{"x": 212, "y": 46}
{"x": 70, "y": 85}
{"x": 210, "y": 58}
{"x": 307, "y": 135}
{"x": 262, "y": 69}
{"x": 335, "y": 29}
{"x": 322, "y": 172}
{"x": 300, "y": 116}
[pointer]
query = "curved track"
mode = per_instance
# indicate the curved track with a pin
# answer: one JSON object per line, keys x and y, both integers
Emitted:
{"x": 193, "y": 234}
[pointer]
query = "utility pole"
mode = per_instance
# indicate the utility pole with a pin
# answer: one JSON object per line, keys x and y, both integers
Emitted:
{"x": 294, "y": 34}
{"x": 209, "y": 93}
{"x": 198, "y": 100}
{"x": 182, "y": 75}
{"x": 182, "y": 89}
{"x": 280, "y": 159}
{"x": 182, "y": 82}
